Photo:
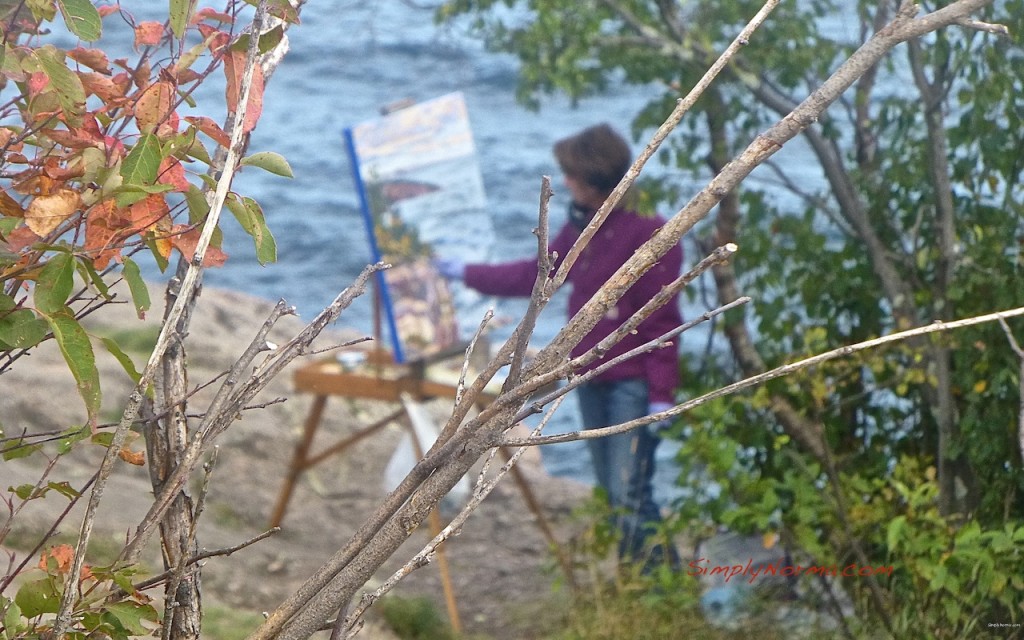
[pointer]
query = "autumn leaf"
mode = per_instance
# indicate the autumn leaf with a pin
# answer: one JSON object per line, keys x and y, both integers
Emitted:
{"x": 46, "y": 212}
{"x": 154, "y": 105}
{"x": 186, "y": 239}
{"x": 210, "y": 128}
{"x": 234, "y": 69}
{"x": 172, "y": 172}
{"x": 9, "y": 206}
{"x": 146, "y": 212}
{"x": 131, "y": 457}
{"x": 62, "y": 554}
{"x": 95, "y": 59}
{"x": 104, "y": 88}
{"x": 148, "y": 34}
{"x": 103, "y": 224}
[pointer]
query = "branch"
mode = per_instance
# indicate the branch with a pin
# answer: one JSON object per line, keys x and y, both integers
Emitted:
{"x": 747, "y": 383}
{"x": 1020, "y": 382}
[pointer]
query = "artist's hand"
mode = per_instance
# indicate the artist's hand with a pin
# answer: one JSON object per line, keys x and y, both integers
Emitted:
{"x": 659, "y": 427}
{"x": 450, "y": 268}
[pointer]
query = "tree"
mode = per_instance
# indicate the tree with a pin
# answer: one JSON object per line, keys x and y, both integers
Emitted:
{"x": 903, "y": 209}
{"x": 49, "y": 94}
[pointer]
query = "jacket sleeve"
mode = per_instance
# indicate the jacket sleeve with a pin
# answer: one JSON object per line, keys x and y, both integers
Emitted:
{"x": 661, "y": 365}
{"x": 515, "y": 278}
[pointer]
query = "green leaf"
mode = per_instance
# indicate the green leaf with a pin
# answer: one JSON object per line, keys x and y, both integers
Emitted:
{"x": 23, "y": 491}
{"x": 894, "y": 532}
{"x": 130, "y": 615}
{"x": 55, "y": 283}
{"x": 64, "y": 489}
{"x": 137, "y": 287}
{"x": 129, "y": 194}
{"x": 180, "y": 12}
{"x": 268, "y": 41}
{"x": 250, "y": 216}
{"x": 67, "y": 85}
{"x": 13, "y": 622}
{"x": 13, "y": 452}
{"x": 21, "y": 329}
{"x": 37, "y": 598}
{"x": 81, "y": 18}
{"x": 141, "y": 165}
{"x": 77, "y": 351}
{"x": 270, "y": 161}
{"x": 126, "y": 362}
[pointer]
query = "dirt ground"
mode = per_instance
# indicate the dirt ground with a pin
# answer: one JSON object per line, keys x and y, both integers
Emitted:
{"x": 501, "y": 570}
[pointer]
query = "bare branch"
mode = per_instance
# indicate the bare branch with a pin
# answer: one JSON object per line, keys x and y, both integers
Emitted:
{"x": 752, "y": 381}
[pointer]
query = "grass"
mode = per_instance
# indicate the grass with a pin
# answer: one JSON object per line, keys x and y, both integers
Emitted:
{"x": 228, "y": 623}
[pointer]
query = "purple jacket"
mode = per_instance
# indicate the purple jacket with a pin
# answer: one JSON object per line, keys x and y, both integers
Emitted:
{"x": 615, "y": 242}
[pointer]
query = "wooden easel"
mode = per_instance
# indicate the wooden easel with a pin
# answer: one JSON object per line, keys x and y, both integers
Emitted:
{"x": 380, "y": 378}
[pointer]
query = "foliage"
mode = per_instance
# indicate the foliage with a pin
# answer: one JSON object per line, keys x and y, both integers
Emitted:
{"x": 414, "y": 619}
{"x": 903, "y": 206}
{"x": 107, "y": 158}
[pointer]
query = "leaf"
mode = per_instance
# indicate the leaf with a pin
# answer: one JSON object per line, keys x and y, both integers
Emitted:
{"x": 210, "y": 128}
{"x": 126, "y": 362}
{"x": 894, "y": 532}
{"x": 37, "y": 598}
{"x": 250, "y": 216}
{"x": 234, "y": 70}
{"x": 155, "y": 105}
{"x": 186, "y": 240}
{"x": 53, "y": 288}
{"x": 20, "y": 329}
{"x": 45, "y": 213}
{"x": 269, "y": 161}
{"x": 81, "y": 18}
{"x": 77, "y": 351}
{"x": 137, "y": 458}
{"x": 141, "y": 165}
{"x": 95, "y": 59}
{"x": 268, "y": 41}
{"x": 131, "y": 615}
{"x": 137, "y": 287}
{"x": 66, "y": 84}
{"x": 9, "y": 206}
{"x": 13, "y": 452}
{"x": 148, "y": 33}
{"x": 179, "y": 15}
{"x": 62, "y": 554}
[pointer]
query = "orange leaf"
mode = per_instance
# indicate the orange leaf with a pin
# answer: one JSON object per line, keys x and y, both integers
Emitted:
{"x": 45, "y": 213}
{"x": 210, "y": 128}
{"x": 186, "y": 239}
{"x": 9, "y": 206}
{"x": 145, "y": 213}
{"x": 62, "y": 553}
{"x": 95, "y": 59}
{"x": 20, "y": 238}
{"x": 154, "y": 105}
{"x": 207, "y": 13}
{"x": 131, "y": 457}
{"x": 148, "y": 34}
{"x": 104, "y": 88}
{"x": 173, "y": 173}
{"x": 102, "y": 227}
{"x": 234, "y": 69}
{"x": 107, "y": 9}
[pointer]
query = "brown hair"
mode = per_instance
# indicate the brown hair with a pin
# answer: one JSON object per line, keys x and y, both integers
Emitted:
{"x": 598, "y": 156}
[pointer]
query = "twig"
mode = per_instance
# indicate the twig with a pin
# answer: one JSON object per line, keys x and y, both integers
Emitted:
{"x": 1020, "y": 382}
{"x": 213, "y": 553}
{"x": 461, "y": 387}
{"x": 996, "y": 29}
{"x": 752, "y": 381}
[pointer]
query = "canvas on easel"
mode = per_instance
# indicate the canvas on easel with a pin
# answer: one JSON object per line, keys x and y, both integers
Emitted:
{"x": 421, "y": 191}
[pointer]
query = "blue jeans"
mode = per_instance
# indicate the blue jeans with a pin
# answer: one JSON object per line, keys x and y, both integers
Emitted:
{"x": 624, "y": 463}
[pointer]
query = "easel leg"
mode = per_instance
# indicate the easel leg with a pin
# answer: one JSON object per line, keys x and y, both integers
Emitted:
{"x": 542, "y": 523}
{"x": 299, "y": 459}
{"x": 434, "y": 520}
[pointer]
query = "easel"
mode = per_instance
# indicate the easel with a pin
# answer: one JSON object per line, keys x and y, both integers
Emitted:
{"x": 379, "y": 378}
